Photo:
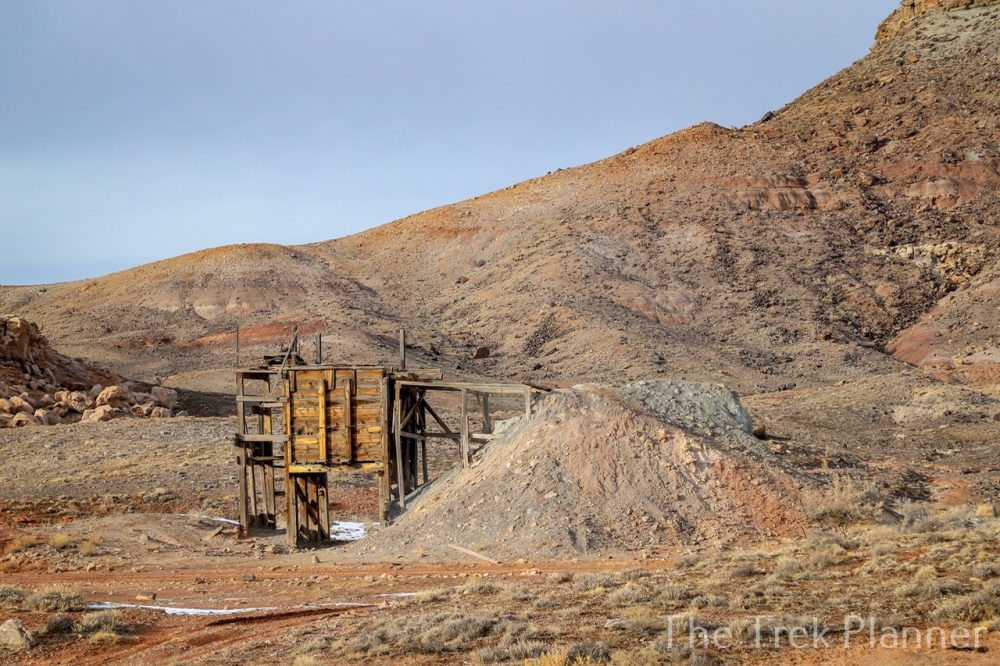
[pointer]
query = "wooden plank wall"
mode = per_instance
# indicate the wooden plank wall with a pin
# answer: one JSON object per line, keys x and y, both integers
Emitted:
{"x": 349, "y": 403}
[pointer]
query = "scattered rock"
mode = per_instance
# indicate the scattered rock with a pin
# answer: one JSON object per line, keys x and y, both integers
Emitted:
{"x": 14, "y": 636}
{"x": 481, "y": 352}
{"x": 21, "y": 405}
{"x": 115, "y": 396}
{"x": 98, "y": 414}
{"x": 164, "y": 397}
{"x": 79, "y": 402}
{"x": 160, "y": 413}
{"x": 47, "y": 417}
{"x": 22, "y": 419}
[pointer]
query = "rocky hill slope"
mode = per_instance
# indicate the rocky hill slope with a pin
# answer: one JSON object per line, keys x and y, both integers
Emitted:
{"x": 850, "y": 232}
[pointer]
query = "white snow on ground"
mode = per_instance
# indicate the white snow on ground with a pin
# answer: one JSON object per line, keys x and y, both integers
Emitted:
{"x": 347, "y": 531}
{"x": 172, "y": 610}
{"x": 228, "y": 521}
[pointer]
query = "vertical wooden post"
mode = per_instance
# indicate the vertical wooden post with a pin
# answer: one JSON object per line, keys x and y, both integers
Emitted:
{"x": 484, "y": 404}
{"x": 527, "y": 402}
{"x": 398, "y": 427}
{"x": 423, "y": 441}
{"x": 319, "y": 349}
{"x": 384, "y": 482}
{"x": 244, "y": 514}
{"x": 402, "y": 349}
{"x": 324, "y": 508}
{"x": 464, "y": 428}
{"x": 321, "y": 419}
{"x": 269, "y": 471}
{"x": 238, "y": 348}
{"x": 348, "y": 420}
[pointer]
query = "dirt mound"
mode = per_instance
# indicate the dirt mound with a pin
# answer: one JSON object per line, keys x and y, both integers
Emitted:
{"x": 596, "y": 470}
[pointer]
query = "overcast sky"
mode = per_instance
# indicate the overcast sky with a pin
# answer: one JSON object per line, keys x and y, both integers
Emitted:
{"x": 137, "y": 130}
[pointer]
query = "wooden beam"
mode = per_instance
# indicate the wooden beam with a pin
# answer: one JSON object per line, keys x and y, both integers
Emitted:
{"x": 321, "y": 416}
{"x": 473, "y": 553}
{"x": 398, "y": 431}
{"x": 464, "y": 428}
{"x": 430, "y": 410}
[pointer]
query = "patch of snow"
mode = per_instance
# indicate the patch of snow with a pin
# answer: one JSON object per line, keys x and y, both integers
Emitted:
{"x": 347, "y": 531}
{"x": 171, "y": 610}
{"x": 228, "y": 521}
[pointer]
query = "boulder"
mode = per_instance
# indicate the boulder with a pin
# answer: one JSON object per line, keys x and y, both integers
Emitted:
{"x": 116, "y": 396}
{"x": 143, "y": 409}
{"x": 98, "y": 414}
{"x": 481, "y": 352}
{"x": 60, "y": 395}
{"x": 164, "y": 397}
{"x": 23, "y": 419}
{"x": 5, "y": 420}
{"x": 6, "y": 407}
{"x": 95, "y": 391}
{"x": 47, "y": 417}
{"x": 14, "y": 636}
{"x": 21, "y": 405}
{"x": 79, "y": 402}
{"x": 45, "y": 401}
{"x": 161, "y": 413}
{"x": 15, "y": 336}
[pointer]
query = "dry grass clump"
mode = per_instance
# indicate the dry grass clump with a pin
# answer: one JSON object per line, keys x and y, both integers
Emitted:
{"x": 786, "y": 568}
{"x": 973, "y": 607}
{"x": 515, "y": 652}
{"x": 577, "y": 654}
{"x": 635, "y": 573}
{"x": 104, "y": 620}
{"x": 428, "y": 633}
{"x": 56, "y": 598}
{"x": 688, "y": 561}
{"x": 985, "y": 571}
{"x": 845, "y": 502}
{"x": 306, "y": 660}
{"x": 561, "y": 577}
{"x": 11, "y": 597}
{"x": 746, "y": 570}
{"x": 929, "y": 589}
{"x": 432, "y": 596}
{"x": 22, "y": 543}
{"x": 89, "y": 546}
{"x": 57, "y": 624}
{"x": 520, "y": 593}
{"x": 642, "y": 620}
{"x": 673, "y": 592}
{"x": 479, "y": 587}
{"x": 61, "y": 540}
{"x": 594, "y": 581}
{"x": 630, "y": 593}
{"x": 707, "y": 600}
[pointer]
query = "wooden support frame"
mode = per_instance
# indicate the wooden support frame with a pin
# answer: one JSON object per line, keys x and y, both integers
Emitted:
{"x": 392, "y": 420}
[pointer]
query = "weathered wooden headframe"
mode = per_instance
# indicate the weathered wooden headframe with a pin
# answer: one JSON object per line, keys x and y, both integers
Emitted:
{"x": 300, "y": 423}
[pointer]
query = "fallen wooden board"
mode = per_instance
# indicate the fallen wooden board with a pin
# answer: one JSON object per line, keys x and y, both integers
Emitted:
{"x": 473, "y": 553}
{"x": 212, "y": 534}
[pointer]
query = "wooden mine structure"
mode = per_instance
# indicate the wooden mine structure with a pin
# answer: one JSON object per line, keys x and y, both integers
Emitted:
{"x": 298, "y": 423}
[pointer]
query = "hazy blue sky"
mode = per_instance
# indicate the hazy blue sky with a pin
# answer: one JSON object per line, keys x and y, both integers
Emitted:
{"x": 132, "y": 131}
